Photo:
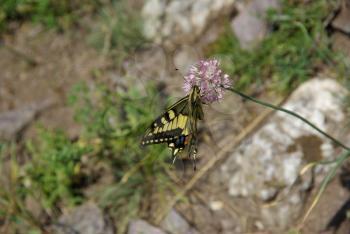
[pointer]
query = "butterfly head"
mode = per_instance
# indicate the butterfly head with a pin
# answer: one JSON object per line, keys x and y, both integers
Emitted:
{"x": 195, "y": 95}
{"x": 196, "y": 90}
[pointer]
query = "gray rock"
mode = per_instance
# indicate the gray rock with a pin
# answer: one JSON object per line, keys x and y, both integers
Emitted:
{"x": 12, "y": 122}
{"x": 341, "y": 21}
{"x": 142, "y": 227}
{"x": 85, "y": 219}
{"x": 174, "y": 223}
{"x": 177, "y": 22}
{"x": 268, "y": 163}
{"x": 250, "y": 25}
{"x": 341, "y": 43}
{"x": 153, "y": 11}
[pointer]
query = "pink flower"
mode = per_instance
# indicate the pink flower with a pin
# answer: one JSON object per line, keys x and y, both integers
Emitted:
{"x": 208, "y": 76}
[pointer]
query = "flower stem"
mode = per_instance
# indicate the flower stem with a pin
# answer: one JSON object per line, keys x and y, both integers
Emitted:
{"x": 339, "y": 161}
{"x": 290, "y": 113}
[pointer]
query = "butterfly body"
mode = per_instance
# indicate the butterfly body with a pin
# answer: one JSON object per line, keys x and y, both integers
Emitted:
{"x": 177, "y": 127}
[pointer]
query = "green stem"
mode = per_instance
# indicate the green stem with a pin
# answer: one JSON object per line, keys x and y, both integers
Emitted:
{"x": 290, "y": 113}
{"x": 339, "y": 161}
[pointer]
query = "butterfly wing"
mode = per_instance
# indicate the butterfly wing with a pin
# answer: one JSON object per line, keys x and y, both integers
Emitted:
{"x": 178, "y": 125}
{"x": 171, "y": 127}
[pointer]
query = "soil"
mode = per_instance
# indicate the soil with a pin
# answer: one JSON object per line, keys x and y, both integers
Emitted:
{"x": 61, "y": 60}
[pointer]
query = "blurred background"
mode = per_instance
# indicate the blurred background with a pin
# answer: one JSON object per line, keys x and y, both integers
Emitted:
{"x": 80, "y": 82}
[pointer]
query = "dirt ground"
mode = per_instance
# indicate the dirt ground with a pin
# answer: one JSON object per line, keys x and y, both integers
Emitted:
{"x": 38, "y": 65}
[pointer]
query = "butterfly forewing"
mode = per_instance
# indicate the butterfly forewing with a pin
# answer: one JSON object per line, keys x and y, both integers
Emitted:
{"x": 177, "y": 126}
{"x": 169, "y": 125}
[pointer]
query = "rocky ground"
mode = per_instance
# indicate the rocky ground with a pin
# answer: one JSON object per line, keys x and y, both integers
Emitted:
{"x": 249, "y": 181}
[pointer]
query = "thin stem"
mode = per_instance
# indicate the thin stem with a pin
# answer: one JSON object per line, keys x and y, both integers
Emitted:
{"x": 290, "y": 113}
{"x": 325, "y": 182}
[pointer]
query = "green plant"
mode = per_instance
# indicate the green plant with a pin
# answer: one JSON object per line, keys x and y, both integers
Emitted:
{"x": 114, "y": 122}
{"x": 14, "y": 215}
{"x": 296, "y": 48}
{"x": 53, "y": 172}
{"x": 52, "y": 168}
{"x": 118, "y": 30}
{"x": 51, "y": 13}
{"x": 45, "y": 172}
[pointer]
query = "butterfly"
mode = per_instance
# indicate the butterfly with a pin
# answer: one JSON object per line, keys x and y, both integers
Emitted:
{"x": 177, "y": 127}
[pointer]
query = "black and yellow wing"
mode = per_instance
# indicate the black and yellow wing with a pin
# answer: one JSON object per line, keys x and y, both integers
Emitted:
{"x": 177, "y": 127}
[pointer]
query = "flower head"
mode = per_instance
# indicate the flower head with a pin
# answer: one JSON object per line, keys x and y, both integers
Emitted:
{"x": 208, "y": 76}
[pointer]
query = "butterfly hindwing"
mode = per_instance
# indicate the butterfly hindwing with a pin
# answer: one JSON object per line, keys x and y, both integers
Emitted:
{"x": 178, "y": 144}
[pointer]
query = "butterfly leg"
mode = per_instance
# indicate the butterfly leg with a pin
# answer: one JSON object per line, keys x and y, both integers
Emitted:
{"x": 194, "y": 159}
{"x": 192, "y": 153}
{"x": 195, "y": 150}
{"x": 174, "y": 159}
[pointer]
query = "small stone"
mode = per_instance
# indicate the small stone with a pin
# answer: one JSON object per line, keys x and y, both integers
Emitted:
{"x": 259, "y": 225}
{"x": 87, "y": 219}
{"x": 34, "y": 206}
{"x": 174, "y": 223}
{"x": 250, "y": 25}
{"x": 341, "y": 43}
{"x": 216, "y": 205}
{"x": 341, "y": 21}
{"x": 141, "y": 226}
{"x": 14, "y": 121}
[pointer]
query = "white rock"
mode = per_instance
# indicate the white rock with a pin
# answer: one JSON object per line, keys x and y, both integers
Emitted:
{"x": 176, "y": 22}
{"x": 216, "y": 205}
{"x": 270, "y": 160}
{"x": 153, "y": 11}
